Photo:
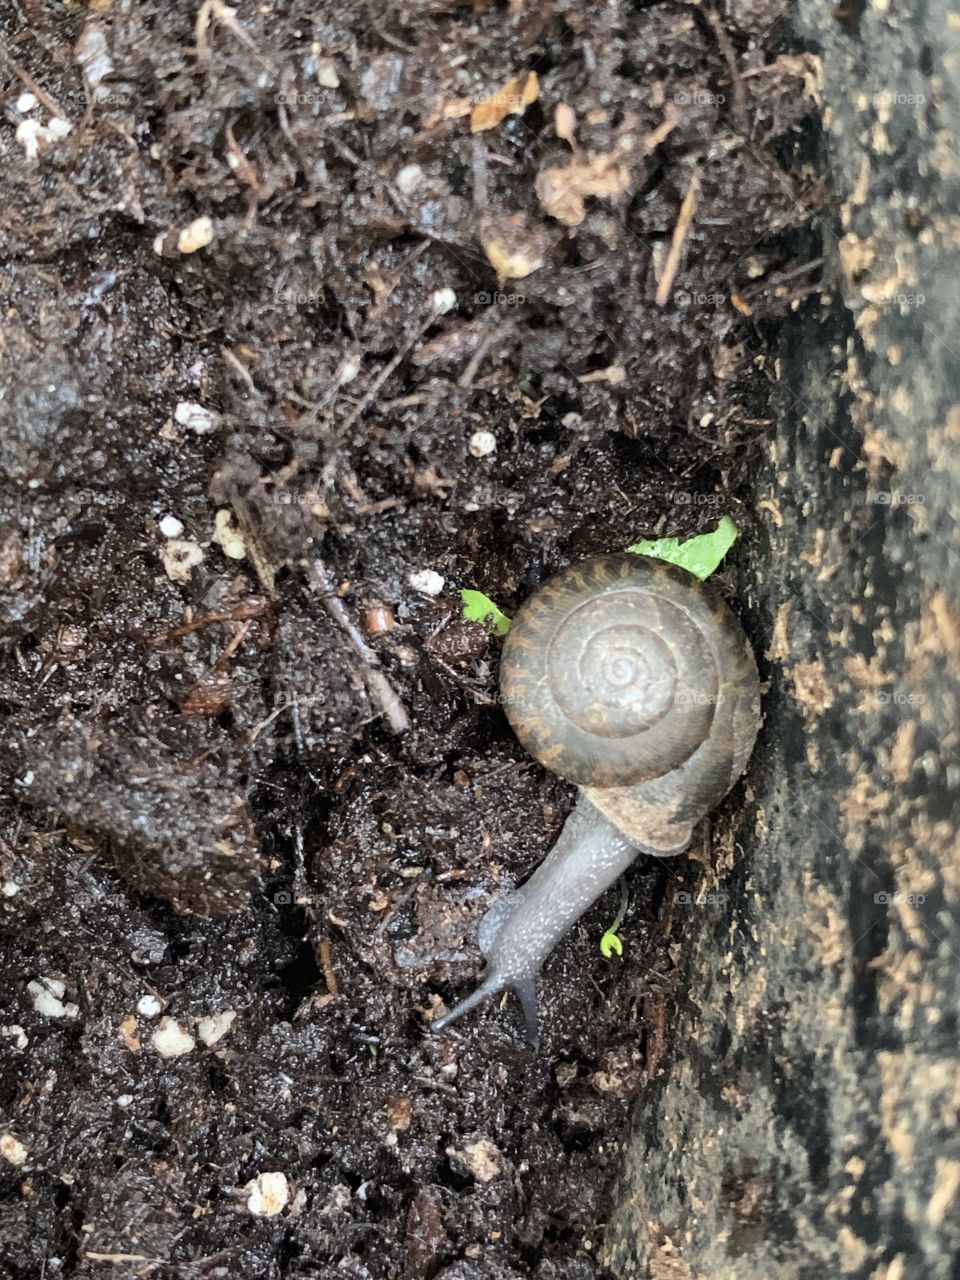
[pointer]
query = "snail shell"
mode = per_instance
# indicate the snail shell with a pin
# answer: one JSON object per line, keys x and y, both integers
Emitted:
{"x": 629, "y": 677}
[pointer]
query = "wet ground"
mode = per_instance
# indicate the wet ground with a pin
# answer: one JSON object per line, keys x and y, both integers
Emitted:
{"x": 368, "y": 293}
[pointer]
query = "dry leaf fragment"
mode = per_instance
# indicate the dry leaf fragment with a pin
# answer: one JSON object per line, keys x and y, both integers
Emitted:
{"x": 562, "y": 189}
{"x": 512, "y": 99}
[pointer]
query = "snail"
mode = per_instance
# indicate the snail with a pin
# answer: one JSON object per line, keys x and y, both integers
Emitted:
{"x": 633, "y": 679}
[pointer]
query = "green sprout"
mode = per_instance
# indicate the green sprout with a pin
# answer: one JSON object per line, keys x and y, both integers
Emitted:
{"x": 480, "y": 608}
{"x": 700, "y": 555}
{"x": 611, "y": 943}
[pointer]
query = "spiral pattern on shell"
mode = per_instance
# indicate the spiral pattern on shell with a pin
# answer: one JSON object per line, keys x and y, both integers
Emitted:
{"x": 613, "y": 671}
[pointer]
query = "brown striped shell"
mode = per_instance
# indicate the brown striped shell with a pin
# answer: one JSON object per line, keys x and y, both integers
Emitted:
{"x": 619, "y": 670}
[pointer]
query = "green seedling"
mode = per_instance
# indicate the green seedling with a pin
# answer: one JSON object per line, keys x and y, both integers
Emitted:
{"x": 611, "y": 943}
{"x": 700, "y": 555}
{"x": 480, "y": 608}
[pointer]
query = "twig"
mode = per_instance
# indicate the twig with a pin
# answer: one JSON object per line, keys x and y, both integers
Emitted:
{"x": 378, "y": 686}
{"x": 680, "y": 233}
{"x": 326, "y": 964}
{"x": 38, "y": 90}
{"x": 730, "y": 57}
{"x": 249, "y": 609}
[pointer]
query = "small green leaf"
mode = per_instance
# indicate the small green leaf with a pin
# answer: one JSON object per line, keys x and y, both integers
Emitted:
{"x": 700, "y": 555}
{"x": 609, "y": 944}
{"x": 480, "y": 608}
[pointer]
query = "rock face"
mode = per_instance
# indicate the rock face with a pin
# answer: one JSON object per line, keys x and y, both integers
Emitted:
{"x": 806, "y": 1121}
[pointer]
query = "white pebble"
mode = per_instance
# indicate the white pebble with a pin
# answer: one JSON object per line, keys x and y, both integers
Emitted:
{"x": 213, "y": 1028}
{"x": 26, "y": 102}
{"x": 180, "y": 559}
{"x": 348, "y": 371}
{"x": 124, "y": 1099}
{"x": 427, "y": 581}
{"x": 10, "y": 888}
{"x": 58, "y": 127}
{"x": 30, "y": 133}
{"x": 196, "y": 236}
{"x": 47, "y": 996}
{"x": 196, "y": 418}
{"x": 267, "y": 1194}
{"x": 171, "y": 1040}
{"x": 482, "y": 443}
{"x": 327, "y": 74}
{"x": 227, "y": 536}
{"x": 409, "y": 178}
{"x": 12, "y": 1149}
{"x": 148, "y": 1006}
{"x": 443, "y": 300}
{"x": 16, "y": 1035}
{"x": 171, "y": 527}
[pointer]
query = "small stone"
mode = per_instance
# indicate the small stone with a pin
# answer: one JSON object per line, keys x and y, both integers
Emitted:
{"x": 148, "y": 1006}
{"x": 58, "y": 127}
{"x": 348, "y": 371}
{"x": 482, "y": 444}
{"x": 9, "y": 888}
{"x": 481, "y": 1159}
{"x": 197, "y": 235}
{"x": 16, "y": 1035}
{"x": 30, "y": 133}
{"x": 180, "y": 559}
{"x": 196, "y": 418}
{"x": 327, "y": 74}
{"x": 12, "y": 1150}
{"x": 408, "y": 179}
{"x": 130, "y": 1033}
{"x": 227, "y": 536}
{"x": 267, "y": 1195}
{"x": 47, "y": 995}
{"x": 399, "y": 1113}
{"x": 427, "y": 581}
{"x": 171, "y": 527}
{"x": 443, "y": 300}
{"x": 26, "y": 102}
{"x": 215, "y": 1026}
{"x": 171, "y": 1040}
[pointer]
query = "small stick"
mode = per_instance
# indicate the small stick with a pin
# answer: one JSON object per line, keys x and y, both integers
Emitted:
{"x": 249, "y": 609}
{"x": 326, "y": 964}
{"x": 680, "y": 233}
{"x": 378, "y": 686}
{"x": 730, "y": 58}
{"x": 37, "y": 90}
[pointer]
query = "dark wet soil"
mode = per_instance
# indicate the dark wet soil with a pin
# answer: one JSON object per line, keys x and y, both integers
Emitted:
{"x": 258, "y": 277}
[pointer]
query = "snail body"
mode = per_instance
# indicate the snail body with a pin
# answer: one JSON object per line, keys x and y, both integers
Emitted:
{"x": 633, "y": 679}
